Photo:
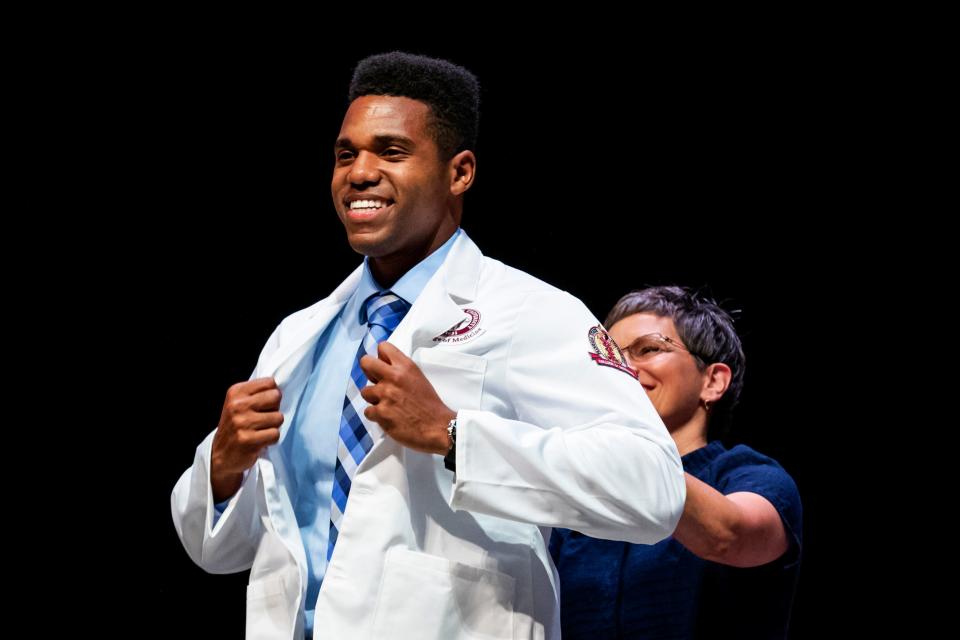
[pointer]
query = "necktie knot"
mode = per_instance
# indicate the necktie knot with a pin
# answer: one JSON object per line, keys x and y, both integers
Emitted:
{"x": 384, "y": 309}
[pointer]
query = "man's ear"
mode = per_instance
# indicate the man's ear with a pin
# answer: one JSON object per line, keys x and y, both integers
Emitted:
{"x": 463, "y": 169}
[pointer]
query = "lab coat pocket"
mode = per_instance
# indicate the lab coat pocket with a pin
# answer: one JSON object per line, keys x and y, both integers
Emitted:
{"x": 442, "y": 599}
{"x": 269, "y": 613}
{"x": 457, "y": 377}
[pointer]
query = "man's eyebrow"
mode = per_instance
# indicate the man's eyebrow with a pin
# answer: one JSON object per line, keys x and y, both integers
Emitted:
{"x": 380, "y": 141}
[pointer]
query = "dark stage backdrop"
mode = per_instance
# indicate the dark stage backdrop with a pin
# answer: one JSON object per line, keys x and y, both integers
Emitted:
{"x": 598, "y": 174}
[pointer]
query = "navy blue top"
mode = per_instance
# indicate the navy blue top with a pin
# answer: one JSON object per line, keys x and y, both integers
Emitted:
{"x": 620, "y": 590}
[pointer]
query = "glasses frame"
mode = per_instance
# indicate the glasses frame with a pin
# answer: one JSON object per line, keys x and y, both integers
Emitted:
{"x": 662, "y": 338}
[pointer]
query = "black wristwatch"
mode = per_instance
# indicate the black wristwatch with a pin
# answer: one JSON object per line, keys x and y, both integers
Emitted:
{"x": 450, "y": 460}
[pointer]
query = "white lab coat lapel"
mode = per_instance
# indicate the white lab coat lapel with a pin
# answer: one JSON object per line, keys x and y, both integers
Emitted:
{"x": 290, "y": 367}
{"x": 434, "y": 312}
{"x": 284, "y": 362}
{"x": 437, "y": 308}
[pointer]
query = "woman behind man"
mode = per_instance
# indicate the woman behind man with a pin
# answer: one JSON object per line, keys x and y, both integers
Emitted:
{"x": 730, "y": 568}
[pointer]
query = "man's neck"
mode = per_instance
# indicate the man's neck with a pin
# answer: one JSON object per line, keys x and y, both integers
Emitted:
{"x": 387, "y": 270}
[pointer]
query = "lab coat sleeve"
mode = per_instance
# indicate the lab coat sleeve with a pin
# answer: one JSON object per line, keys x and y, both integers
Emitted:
{"x": 587, "y": 450}
{"x": 228, "y": 543}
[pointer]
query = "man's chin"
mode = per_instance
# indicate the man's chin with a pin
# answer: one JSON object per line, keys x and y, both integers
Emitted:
{"x": 367, "y": 244}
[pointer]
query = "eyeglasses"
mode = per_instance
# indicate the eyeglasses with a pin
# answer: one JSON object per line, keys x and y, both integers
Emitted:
{"x": 647, "y": 346}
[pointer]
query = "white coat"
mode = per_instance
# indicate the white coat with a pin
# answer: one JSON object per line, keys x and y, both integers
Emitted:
{"x": 546, "y": 437}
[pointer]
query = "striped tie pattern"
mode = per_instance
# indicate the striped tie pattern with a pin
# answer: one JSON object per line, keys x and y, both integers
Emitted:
{"x": 382, "y": 312}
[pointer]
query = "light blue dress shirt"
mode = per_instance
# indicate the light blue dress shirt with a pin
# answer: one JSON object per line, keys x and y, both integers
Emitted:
{"x": 310, "y": 447}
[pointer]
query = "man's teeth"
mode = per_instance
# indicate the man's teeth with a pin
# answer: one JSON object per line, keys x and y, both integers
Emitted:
{"x": 367, "y": 204}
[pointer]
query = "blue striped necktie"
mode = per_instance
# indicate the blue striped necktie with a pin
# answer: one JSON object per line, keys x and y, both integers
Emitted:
{"x": 382, "y": 312}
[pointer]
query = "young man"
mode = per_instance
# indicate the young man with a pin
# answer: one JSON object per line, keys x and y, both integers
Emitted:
{"x": 405, "y": 489}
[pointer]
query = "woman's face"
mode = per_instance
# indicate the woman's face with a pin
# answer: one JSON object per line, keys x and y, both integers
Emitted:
{"x": 668, "y": 374}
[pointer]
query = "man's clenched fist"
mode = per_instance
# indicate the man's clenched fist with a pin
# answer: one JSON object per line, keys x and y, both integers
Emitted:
{"x": 404, "y": 403}
{"x": 249, "y": 422}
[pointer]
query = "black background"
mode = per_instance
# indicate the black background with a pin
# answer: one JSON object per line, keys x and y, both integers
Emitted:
{"x": 599, "y": 172}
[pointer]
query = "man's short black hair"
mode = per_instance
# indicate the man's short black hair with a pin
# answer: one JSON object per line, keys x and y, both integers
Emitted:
{"x": 705, "y": 328}
{"x": 451, "y": 92}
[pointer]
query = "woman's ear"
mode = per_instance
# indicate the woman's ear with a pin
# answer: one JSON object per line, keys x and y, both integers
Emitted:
{"x": 716, "y": 380}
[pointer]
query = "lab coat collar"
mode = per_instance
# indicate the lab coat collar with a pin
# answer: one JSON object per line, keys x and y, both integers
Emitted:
{"x": 435, "y": 310}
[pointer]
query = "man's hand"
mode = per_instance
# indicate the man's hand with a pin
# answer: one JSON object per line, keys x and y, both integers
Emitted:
{"x": 249, "y": 422}
{"x": 404, "y": 403}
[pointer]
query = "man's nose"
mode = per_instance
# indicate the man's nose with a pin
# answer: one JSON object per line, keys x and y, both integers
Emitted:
{"x": 364, "y": 169}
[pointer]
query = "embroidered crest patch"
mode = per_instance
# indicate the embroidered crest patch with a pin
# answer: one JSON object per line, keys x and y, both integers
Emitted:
{"x": 606, "y": 352}
{"x": 466, "y": 329}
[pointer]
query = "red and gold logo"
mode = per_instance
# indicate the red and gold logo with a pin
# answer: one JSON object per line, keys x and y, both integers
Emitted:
{"x": 464, "y": 330}
{"x": 606, "y": 351}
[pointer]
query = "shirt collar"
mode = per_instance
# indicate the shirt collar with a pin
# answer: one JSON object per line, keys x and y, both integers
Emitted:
{"x": 697, "y": 459}
{"x": 409, "y": 286}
